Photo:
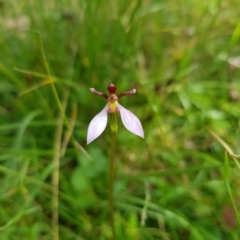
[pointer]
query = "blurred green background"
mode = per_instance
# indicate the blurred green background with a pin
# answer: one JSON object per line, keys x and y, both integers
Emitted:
{"x": 183, "y": 57}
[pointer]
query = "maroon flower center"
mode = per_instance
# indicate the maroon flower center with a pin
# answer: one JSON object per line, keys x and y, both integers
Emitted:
{"x": 112, "y": 98}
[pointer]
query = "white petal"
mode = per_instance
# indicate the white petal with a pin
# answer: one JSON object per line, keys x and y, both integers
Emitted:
{"x": 130, "y": 121}
{"x": 97, "y": 125}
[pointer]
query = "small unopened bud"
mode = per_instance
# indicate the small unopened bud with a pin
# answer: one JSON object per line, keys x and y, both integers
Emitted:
{"x": 112, "y": 88}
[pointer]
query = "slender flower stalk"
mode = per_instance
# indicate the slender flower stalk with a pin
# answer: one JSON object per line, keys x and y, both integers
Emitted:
{"x": 98, "y": 125}
{"x": 114, "y": 129}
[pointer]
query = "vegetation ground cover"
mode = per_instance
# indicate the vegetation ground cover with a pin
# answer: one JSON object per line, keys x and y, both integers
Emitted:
{"x": 181, "y": 181}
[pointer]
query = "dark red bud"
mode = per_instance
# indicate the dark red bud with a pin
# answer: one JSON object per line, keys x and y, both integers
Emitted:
{"x": 112, "y": 88}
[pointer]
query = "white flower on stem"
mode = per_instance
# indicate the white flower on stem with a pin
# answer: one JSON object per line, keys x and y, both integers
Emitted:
{"x": 99, "y": 122}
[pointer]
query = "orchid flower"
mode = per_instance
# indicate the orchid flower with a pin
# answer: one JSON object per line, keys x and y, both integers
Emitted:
{"x": 99, "y": 122}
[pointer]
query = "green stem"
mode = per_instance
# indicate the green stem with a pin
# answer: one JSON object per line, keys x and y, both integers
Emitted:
{"x": 114, "y": 129}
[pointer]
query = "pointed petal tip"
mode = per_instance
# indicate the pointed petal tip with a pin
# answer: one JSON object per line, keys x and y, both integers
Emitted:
{"x": 142, "y": 135}
{"x": 88, "y": 140}
{"x": 140, "y": 132}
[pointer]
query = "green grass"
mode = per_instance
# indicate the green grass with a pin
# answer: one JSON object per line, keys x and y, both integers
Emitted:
{"x": 178, "y": 183}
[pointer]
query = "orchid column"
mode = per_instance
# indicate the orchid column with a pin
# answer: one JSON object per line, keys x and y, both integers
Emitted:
{"x": 99, "y": 123}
